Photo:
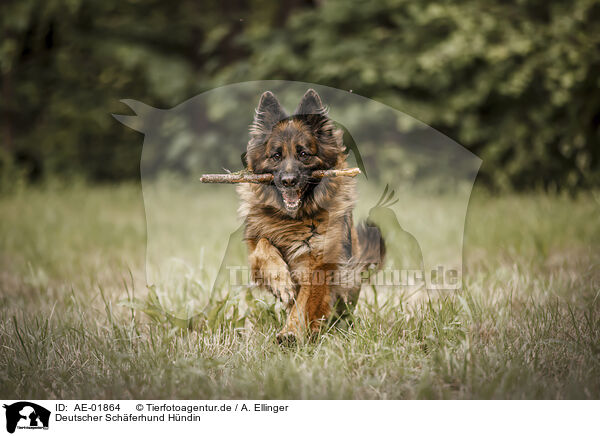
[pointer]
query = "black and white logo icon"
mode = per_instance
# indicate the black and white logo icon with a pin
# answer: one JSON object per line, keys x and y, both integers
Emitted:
{"x": 26, "y": 415}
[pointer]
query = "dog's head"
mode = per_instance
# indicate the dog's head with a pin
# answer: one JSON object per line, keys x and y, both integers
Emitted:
{"x": 292, "y": 147}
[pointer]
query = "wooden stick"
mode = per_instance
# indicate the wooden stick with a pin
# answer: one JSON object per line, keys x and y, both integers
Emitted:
{"x": 246, "y": 177}
{"x": 347, "y": 172}
{"x": 236, "y": 178}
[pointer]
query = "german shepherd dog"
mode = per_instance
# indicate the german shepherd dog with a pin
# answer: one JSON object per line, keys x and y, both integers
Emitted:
{"x": 302, "y": 244}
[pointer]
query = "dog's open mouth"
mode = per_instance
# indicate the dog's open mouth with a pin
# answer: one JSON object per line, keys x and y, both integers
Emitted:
{"x": 291, "y": 199}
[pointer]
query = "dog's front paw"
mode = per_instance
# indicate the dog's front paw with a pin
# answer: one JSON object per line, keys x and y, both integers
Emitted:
{"x": 286, "y": 338}
{"x": 282, "y": 286}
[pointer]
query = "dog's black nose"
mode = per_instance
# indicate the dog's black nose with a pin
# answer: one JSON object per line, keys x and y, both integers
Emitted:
{"x": 289, "y": 180}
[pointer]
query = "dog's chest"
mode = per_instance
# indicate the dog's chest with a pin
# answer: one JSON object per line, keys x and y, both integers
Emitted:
{"x": 307, "y": 237}
{"x": 317, "y": 237}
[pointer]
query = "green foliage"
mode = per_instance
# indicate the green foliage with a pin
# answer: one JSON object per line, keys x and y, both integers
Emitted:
{"x": 515, "y": 82}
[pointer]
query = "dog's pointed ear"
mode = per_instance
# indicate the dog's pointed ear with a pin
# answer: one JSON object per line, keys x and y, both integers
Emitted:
{"x": 311, "y": 104}
{"x": 268, "y": 113}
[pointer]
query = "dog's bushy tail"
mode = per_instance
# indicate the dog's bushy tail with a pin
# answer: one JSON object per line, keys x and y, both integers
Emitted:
{"x": 368, "y": 254}
{"x": 371, "y": 247}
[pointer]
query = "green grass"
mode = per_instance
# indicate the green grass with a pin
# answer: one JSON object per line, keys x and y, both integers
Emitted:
{"x": 76, "y": 320}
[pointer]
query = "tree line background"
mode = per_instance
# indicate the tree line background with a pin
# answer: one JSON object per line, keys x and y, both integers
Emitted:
{"x": 516, "y": 82}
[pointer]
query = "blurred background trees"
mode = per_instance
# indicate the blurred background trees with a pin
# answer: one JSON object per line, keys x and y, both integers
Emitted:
{"x": 516, "y": 82}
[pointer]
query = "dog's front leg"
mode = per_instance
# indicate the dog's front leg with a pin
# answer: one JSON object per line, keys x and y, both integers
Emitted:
{"x": 313, "y": 303}
{"x": 269, "y": 268}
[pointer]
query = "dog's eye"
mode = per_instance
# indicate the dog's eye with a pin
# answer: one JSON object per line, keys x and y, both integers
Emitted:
{"x": 276, "y": 157}
{"x": 303, "y": 155}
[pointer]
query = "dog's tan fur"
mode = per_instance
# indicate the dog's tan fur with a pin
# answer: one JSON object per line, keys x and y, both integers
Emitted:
{"x": 293, "y": 252}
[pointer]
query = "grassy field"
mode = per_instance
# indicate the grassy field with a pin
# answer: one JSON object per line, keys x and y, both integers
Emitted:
{"x": 77, "y": 321}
